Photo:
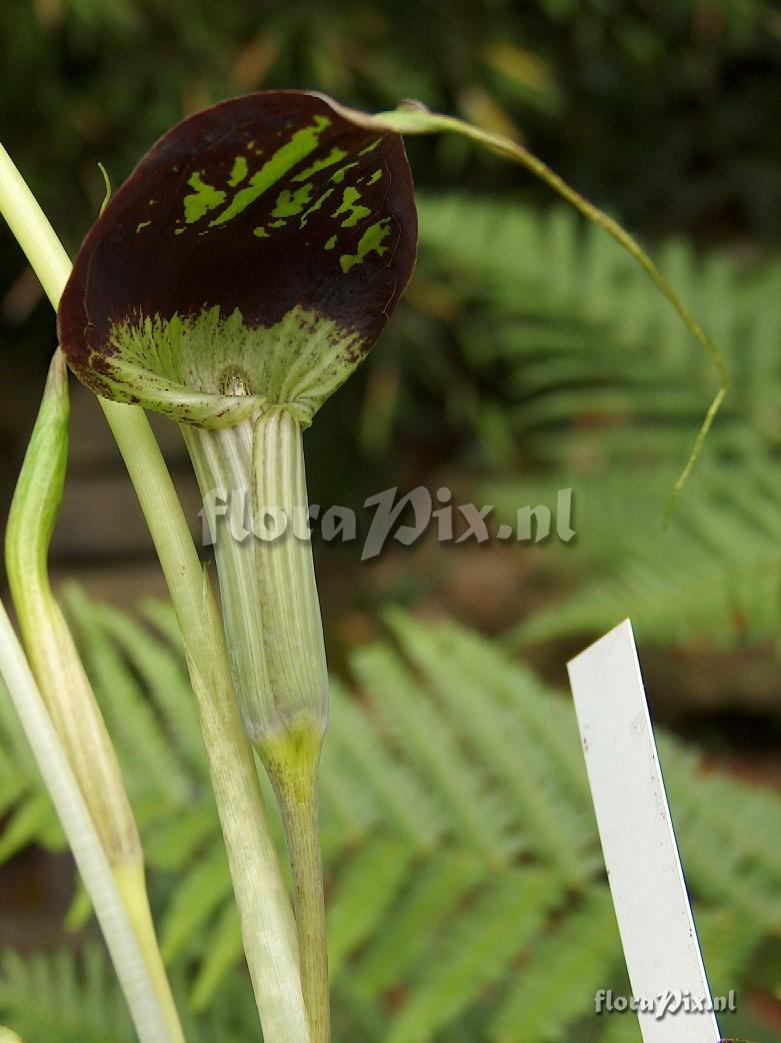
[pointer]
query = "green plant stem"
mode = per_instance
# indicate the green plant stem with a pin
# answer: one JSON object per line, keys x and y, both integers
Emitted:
{"x": 292, "y": 630}
{"x": 263, "y": 903}
{"x": 272, "y": 620}
{"x": 254, "y": 473}
{"x": 115, "y": 922}
{"x": 293, "y": 770}
{"x": 264, "y": 907}
{"x": 32, "y": 231}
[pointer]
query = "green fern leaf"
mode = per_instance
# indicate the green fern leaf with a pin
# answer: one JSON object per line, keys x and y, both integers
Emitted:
{"x": 419, "y": 727}
{"x": 480, "y": 949}
{"x": 437, "y": 890}
{"x": 362, "y": 894}
{"x": 566, "y": 969}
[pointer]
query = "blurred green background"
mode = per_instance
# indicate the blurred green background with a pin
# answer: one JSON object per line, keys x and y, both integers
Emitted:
{"x": 529, "y": 354}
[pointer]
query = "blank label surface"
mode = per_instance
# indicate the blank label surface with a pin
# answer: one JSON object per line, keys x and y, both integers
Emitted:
{"x": 638, "y": 843}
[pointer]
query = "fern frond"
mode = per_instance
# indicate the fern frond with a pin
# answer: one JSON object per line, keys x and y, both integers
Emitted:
{"x": 552, "y": 826}
{"x": 719, "y": 564}
{"x": 728, "y": 942}
{"x": 479, "y": 951}
{"x": 718, "y": 873}
{"x": 422, "y": 730}
{"x": 201, "y": 891}
{"x": 32, "y": 820}
{"x": 563, "y": 974}
{"x": 437, "y": 890}
{"x": 362, "y": 894}
{"x": 563, "y": 311}
{"x": 224, "y": 953}
{"x": 543, "y": 714}
{"x": 153, "y": 765}
{"x": 439, "y": 918}
{"x": 587, "y": 372}
{"x": 174, "y": 842}
{"x": 404, "y": 802}
{"x": 356, "y": 1018}
{"x": 744, "y": 819}
{"x": 63, "y": 998}
{"x": 347, "y": 811}
{"x": 163, "y": 675}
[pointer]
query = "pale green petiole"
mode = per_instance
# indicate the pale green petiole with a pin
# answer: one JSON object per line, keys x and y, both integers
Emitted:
{"x": 266, "y": 918}
{"x": 255, "y": 472}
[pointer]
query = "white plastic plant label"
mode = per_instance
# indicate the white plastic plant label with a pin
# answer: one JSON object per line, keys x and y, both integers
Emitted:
{"x": 663, "y": 958}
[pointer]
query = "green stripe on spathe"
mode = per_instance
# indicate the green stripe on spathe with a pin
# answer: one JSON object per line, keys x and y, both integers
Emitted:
{"x": 336, "y": 155}
{"x": 202, "y": 199}
{"x": 370, "y": 241}
{"x": 301, "y": 144}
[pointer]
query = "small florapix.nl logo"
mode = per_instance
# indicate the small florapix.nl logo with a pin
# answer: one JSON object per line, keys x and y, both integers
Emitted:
{"x": 403, "y": 518}
{"x": 674, "y": 1001}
